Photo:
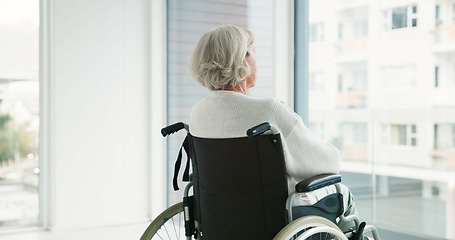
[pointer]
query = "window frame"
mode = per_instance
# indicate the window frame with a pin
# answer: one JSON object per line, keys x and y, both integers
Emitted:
{"x": 46, "y": 129}
{"x": 301, "y": 83}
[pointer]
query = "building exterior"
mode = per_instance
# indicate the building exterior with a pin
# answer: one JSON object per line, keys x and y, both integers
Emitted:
{"x": 382, "y": 87}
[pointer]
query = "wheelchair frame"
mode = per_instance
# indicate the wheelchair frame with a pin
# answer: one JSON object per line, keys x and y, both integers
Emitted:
{"x": 300, "y": 228}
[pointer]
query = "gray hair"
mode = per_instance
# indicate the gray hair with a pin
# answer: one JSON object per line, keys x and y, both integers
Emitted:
{"x": 219, "y": 57}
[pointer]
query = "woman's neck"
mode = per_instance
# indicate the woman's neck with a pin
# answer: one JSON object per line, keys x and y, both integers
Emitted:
{"x": 240, "y": 88}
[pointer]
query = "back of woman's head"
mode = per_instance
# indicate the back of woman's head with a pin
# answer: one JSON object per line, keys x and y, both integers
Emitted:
{"x": 219, "y": 57}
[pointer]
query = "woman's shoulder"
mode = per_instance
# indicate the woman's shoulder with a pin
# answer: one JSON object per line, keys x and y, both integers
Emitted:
{"x": 229, "y": 98}
{"x": 278, "y": 110}
{"x": 233, "y": 97}
{"x": 278, "y": 105}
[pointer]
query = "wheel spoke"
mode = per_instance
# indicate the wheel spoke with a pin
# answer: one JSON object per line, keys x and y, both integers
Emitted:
{"x": 167, "y": 226}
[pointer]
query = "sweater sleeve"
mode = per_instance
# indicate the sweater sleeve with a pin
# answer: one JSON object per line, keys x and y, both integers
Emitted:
{"x": 307, "y": 156}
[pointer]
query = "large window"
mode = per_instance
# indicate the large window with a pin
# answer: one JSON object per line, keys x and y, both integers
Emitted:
{"x": 187, "y": 21}
{"x": 19, "y": 113}
{"x": 387, "y": 104}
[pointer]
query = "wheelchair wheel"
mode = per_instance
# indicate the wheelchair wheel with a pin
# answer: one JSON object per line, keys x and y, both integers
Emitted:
{"x": 169, "y": 224}
{"x": 312, "y": 228}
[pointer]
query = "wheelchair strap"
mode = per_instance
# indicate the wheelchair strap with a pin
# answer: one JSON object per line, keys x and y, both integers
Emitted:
{"x": 178, "y": 163}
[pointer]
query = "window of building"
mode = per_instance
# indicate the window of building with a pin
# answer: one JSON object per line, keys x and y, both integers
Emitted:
{"x": 436, "y": 76}
{"x": 316, "y": 32}
{"x": 351, "y": 140}
{"x": 453, "y": 13}
{"x": 437, "y": 11}
{"x": 360, "y": 28}
{"x": 385, "y": 134}
{"x": 340, "y": 31}
{"x": 359, "y": 80}
{"x": 399, "y": 134}
{"x": 355, "y": 81}
{"x": 360, "y": 131}
{"x": 453, "y": 136}
{"x": 444, "y": 136}
{"x": 414, "y": 16}
{"x": 412, "y": 135}
{"x": 435, "y": 136}
{"x": 340, "y": 86}
{"x": 316, "y": 81}
{"x": 400, "y": 17}
{"x": 453, "y": 75}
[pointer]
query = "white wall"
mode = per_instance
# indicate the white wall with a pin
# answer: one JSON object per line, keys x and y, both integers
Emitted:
{"x": 97, "y": 90}
{"x": 103, "y": 100}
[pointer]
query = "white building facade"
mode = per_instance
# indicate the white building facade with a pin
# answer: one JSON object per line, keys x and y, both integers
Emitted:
{"x": 382, "y": 89}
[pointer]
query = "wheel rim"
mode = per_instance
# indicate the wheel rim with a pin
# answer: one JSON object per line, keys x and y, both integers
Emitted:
{"x": 316, "y": 228}
{"x": 168, "y": 225}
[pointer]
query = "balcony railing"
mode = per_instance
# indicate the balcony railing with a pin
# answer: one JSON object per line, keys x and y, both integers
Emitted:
{"x": 444, "y": 34}
{"x": 352, "y": 99}
{"x": 352, "y": 46}
{"x": 355, "y": 152}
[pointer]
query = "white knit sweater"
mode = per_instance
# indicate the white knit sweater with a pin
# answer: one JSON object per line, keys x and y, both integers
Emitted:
{"x": 225, "y": 114}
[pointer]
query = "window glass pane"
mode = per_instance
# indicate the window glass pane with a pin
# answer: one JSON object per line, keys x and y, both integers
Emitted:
{"x": 399, "y": 134}
{"x": 386, "y": 19}
{"x": 19, "y": 112}
{"x": 316, "y": 33}
{"x": 399, "y": 17}
{"x": 453, "y": 136}
{"x": 380, "y": 107}
{"x": 360, "y": 28}
{"x": 453, "y": 13}
{"x": 340, "y": 31}
{"x": 436, "y": 76}
{"x": 313, "y": 34}
{"x": 437, "y": 12}
{"x": 187, "y": 21}
{"x": 316, "y": 81}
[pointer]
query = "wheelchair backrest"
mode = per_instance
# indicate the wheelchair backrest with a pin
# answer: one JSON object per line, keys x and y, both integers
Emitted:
{"x": 240, "y": 186}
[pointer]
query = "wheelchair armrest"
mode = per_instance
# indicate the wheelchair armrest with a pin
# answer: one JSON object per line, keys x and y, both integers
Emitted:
{"x": 316, "y": 182}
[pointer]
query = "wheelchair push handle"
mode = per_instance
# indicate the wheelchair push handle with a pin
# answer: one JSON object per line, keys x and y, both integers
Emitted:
{"x": 260, "y": 129}
{"x": 173, "y": 128}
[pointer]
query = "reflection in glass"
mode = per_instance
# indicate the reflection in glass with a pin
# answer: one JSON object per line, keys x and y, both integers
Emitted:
{"x": 388, "y": 105}
{"x": 19, "y": 113}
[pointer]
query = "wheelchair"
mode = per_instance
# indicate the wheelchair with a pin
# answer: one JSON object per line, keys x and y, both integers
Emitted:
{"x": 238, "y": 190}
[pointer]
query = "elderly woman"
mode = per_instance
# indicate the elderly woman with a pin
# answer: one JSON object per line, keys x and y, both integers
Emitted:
{"x": 224, "y": 62}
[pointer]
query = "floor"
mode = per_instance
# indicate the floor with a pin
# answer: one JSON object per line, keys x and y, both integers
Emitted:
{"x": 134, "y": 231}
{"x": 123, "y": 232}
{"x": 398, "y": 218}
